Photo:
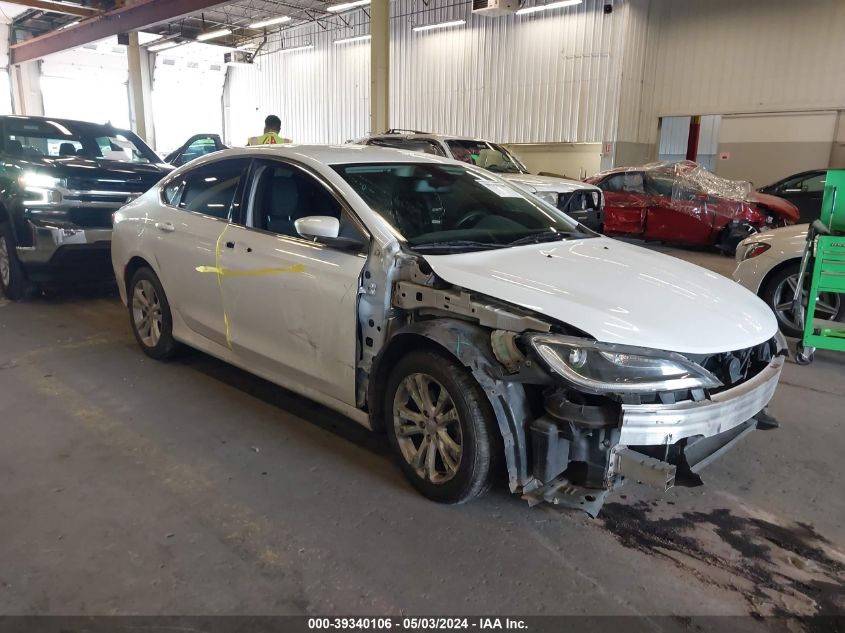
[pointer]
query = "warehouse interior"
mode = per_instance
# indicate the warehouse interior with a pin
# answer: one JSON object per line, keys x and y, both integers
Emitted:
{"x": 215, "y": 484}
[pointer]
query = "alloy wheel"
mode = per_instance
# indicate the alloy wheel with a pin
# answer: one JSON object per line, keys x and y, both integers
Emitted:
{"x": 428, "y": 429}
{"x": 5, "y": 263}
{"x": 827, "y": 306}
{"x": 146, "y": 313}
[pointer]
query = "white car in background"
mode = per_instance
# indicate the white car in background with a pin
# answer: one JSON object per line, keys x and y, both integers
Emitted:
{"x": 768, "y": 265}
{"x": 580, "y": 200}
{"x": 469, "y": 320}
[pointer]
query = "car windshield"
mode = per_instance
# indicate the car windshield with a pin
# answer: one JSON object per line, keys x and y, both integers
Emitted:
{"x": 34, "y": 139}
{"x": 450, "y": 208}
{"x": 485, "y": 155}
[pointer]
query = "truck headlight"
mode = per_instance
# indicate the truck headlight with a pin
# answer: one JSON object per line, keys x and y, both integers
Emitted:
{"x": 602, "y": 368}
{"x": 549, "y": 197}
{"x": 40, "y": 189}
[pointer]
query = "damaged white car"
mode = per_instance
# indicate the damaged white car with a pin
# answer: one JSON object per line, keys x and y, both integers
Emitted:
{"x": 473, "y": 323}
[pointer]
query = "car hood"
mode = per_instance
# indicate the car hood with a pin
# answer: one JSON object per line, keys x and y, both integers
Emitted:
{"x": 618, "y": 293}
{"x": 783, "y": 208}
{"x": 88, "y": 168}
{"x": 546, "y": 183}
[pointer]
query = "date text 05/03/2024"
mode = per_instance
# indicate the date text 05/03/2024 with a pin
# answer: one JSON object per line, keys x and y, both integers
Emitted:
{"x": 417, "y": 624}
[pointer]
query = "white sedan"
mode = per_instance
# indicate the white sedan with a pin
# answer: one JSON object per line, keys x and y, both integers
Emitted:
{"x": 472, "y": 322}
{"x": 768, "y": 265}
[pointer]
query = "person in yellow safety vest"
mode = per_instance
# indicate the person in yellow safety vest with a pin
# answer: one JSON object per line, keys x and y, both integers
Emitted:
{"x": 272, "y": 127}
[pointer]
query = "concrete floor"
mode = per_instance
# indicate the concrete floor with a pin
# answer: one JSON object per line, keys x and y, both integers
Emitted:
{"x": 129, "y": 486}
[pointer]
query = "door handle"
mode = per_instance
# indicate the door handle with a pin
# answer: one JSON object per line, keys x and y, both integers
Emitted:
{"x": 167, "y": 227}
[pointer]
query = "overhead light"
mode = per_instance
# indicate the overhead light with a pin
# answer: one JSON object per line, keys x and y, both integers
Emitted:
{"x": 246, "y": 47}
{"x": 296, "y": 48}
{"x": 357, "y": 38}
{"x": 552, "y": 5}
{"x": 162, "y": 46}
{"x": 210, "y": 35}
{"x": 70, "y": 24}
{"x": 440, "y": 25}
{"x": 270, "y": 22}
{"x": 347, "y": 5}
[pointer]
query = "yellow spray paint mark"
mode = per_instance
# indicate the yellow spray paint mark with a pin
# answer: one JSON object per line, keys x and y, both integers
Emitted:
{"x": 259, "y": 272}
{"x": 221, "y": 272}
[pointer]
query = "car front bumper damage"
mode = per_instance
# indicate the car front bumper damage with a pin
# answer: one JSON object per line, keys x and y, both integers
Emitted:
{"x": 62, "y": 250}
{"x": 660, "y": 445}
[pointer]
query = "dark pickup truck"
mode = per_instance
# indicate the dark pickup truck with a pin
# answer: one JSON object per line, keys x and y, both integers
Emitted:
{"x": 60, "y": 183}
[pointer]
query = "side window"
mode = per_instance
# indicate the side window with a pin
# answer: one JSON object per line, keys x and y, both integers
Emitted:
{"x": 627, "y": 182}
{"x": 171, "y": 191}
{"x": 199, "y": 147}
{"x": 211, "y": 189}
{"x": 285, "y": 193}
{"x": 814, "y": 184}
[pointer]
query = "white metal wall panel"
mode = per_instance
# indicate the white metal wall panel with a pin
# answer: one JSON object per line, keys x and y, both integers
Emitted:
{"x": 321, "y": 94}
{"x": 550, "y": 76}
{"x": 723, "y": 56}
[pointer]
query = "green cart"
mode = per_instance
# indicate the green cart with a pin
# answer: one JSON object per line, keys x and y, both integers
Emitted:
{"x": 823, "y": 270}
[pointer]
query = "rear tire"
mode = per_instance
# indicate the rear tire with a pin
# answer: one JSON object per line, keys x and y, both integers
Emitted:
{"x": 441, "y": 427}
{"x": 150, "y": 316}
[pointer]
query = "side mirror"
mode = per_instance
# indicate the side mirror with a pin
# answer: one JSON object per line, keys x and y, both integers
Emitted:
{"x": 317, "y": 226}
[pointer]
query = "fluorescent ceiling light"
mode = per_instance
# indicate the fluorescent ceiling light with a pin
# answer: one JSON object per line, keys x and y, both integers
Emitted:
{"x": 270, "y": 22}
{"x": 210, "y": 35}
{"x": 347, "y": 5}
{"x": 296, "y": 48}
{"x": 440, "y": 25}
{"x": 163, "y": 46}
{"x": 145, "y": 38}
{"x": 357, "y": 38}
{"x": 552, "y": 5}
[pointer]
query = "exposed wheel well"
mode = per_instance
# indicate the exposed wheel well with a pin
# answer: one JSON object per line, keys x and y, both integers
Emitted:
{"x": 131, "y": 268}
{"x": 397, "y": 347}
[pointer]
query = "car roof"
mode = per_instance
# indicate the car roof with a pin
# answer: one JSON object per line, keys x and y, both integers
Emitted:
{"x": 82, "y": 126}
{"x": 341, "y": 154}
{"x": 427, "y": 135}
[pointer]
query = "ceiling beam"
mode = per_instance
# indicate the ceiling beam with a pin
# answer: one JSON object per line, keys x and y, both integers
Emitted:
{"x": 139, "y": 15}
{"x": 65, "y": 8}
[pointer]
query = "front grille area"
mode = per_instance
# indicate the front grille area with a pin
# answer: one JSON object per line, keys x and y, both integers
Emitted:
{"x": 583, "y": 205}
{"x": 734, "y": 368}
{"x": 91, "y": 217}
{"x": 136, "y": 185}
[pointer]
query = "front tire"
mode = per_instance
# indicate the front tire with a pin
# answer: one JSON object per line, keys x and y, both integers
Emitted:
{"x": 13, "y": 282}
{"x": 150, "y": 316}
{"x": 779, "y": 292}
{"x": 440, "y": 426}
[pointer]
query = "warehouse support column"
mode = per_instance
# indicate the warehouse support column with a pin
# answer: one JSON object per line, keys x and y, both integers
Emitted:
{"x": 379, "y": 66}
{"x": 139, "y": 89}
{"x": 692, "y": 139}
{"x": 26, "y": 89}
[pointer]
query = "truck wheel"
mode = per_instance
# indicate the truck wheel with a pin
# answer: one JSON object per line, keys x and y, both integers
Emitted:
{"x": 440, "y": 425}
{"x": 150, "y": 317}
{"x": 13, "y": 282}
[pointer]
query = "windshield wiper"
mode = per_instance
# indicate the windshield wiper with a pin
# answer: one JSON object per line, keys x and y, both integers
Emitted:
{"x": 537, "y": 238}
{"x": 456, "y": 245}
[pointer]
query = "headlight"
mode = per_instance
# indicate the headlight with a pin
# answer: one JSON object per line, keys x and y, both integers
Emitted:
{"x": 605, "y": 368}
{"x": 40, "y": 189}
{"x": 549, "y": 197}
{"x": 753, "y": 250}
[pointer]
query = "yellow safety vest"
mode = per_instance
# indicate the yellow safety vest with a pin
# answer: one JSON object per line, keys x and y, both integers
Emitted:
{"x": 271, "y": 138}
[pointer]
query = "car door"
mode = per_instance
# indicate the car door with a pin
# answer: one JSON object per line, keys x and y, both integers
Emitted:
{"x": 677, "y": 213}
{"x": 624, "y": 203}
{"x": 806, "y": 193}
{"x": 291, "y": 302}
{"x": 197, "y": 209}
{"x": 196, "y": 146}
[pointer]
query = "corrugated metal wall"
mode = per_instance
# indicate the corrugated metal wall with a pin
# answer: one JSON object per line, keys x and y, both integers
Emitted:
{"x": 548, "y": 76}
{"x": 321, "y": 94}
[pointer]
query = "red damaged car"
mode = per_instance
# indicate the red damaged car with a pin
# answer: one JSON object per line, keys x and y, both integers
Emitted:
{"x": 682, "y": 202}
